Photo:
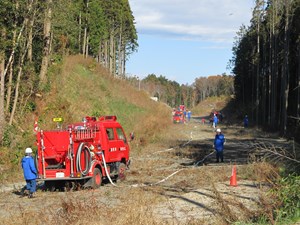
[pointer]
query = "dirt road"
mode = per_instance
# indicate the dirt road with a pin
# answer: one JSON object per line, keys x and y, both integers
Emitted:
{"x": 163, "y": 186}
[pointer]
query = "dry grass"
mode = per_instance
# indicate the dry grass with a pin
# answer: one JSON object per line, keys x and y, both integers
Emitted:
{"x": 73, "y": 209}
{"x": 86, "y": 88}
{"x": 205, "y": 107}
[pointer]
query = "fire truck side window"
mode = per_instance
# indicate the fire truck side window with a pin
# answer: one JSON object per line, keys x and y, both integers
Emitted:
{"x": 121, "y": 135}
{"x": 110, "y": 133}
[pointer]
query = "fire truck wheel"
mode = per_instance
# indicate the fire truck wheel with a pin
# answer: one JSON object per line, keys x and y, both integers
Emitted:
{"x": 50, "y": 186}
{"x": 97, "y": 178}
{"x": 122, "y": 172}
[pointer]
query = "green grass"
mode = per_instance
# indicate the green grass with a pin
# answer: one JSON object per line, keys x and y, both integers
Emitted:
{"x": 79, "y": 87}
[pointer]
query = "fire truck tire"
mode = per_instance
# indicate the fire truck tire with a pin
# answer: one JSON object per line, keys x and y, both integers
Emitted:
{"x": 122, "y": 172}
{"x": 53, "y": 186}
{"x": 97, "y": 178}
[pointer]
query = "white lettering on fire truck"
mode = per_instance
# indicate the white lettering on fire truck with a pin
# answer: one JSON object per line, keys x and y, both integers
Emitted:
{"x": 123, "y": 149}
{"x": 113, "y": 149}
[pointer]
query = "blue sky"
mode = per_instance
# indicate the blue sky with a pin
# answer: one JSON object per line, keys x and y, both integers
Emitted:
{"x": 186, "y": 39}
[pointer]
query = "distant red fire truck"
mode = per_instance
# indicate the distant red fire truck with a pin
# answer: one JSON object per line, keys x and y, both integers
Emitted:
{"x": 178, "y": 117}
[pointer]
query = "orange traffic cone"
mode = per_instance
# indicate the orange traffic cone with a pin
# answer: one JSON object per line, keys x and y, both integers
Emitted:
{"x": 233, "y": 177}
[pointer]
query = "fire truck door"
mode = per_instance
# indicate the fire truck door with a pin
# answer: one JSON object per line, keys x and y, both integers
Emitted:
{"x": 114, "y": 145}
{"x": 122, "y": 141}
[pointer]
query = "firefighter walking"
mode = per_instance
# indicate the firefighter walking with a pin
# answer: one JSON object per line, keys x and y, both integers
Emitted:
{"x": 30, "y": 172}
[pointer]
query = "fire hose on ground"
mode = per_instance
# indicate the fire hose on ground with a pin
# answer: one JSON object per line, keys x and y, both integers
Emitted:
{"x": 163, "y": 180}
{"x": 202, "y": 160}
{"x": 135, "y": 185}
{"x": 106, "y": 171}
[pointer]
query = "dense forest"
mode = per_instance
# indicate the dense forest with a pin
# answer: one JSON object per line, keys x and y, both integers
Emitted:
{"x": 35, "y": 34}
{"x": 266, "y": 65}
{"x": 174, "y": 94}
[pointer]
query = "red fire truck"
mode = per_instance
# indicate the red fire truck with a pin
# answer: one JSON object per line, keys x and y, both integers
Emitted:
{"x": 83, "y": 154}
{"x": 178, "y": 117}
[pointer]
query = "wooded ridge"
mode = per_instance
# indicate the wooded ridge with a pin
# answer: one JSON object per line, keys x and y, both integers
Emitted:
{"x": 35, "y": 34}
{"x": 266, "y": 64}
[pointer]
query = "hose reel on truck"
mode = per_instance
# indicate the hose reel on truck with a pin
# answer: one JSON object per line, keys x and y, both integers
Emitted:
{"x": 87, "y": 157}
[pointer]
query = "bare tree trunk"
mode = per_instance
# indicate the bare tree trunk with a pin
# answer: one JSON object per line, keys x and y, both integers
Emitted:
{"x": 85, "y": 34}
{"x": 106, "y": 54}
{"x": 120, "y": 53}
{"x": 29, "y": 22}
{"x": 21, "y": 64}
{"x": 87, "y": 47}
{"x": 99, "y": 53}
{"x": 47, "y": 42}
{"x": 260, "y": 8}
{"x": 298, "y": 87}
{"x": 79, "y": 33}
{"x": 30, "y": 28}
{"x": 11, "y": 71}
{"x": 124, "y": 61}
{"x": 84, "y": 41}
{"x": 286, "y": 74}
{"x": 13, "y": 51}
{"x": 114, "y": 57}
{"x": 2, "y": 85}
{"x": 270, "y": 71}
{"x": 274, "y": 68}
{"x": 111, "y": 53}
{"x": 257, "y": 75}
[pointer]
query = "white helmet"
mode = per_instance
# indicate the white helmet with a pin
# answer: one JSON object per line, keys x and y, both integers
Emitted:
{"x": 219, "y": 130}
{"x": 28, "y": 150}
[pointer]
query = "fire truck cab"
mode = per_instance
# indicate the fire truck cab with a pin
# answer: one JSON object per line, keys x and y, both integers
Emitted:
{"x": 83, "y": 154}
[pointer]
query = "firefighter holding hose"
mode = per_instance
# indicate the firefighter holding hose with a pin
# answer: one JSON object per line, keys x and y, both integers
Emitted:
{"x": 30, "y": 172}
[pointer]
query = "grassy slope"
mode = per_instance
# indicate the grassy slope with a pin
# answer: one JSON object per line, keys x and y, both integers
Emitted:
{"x": 85, "y": 88}
{"x": 80, "y": 87}
{"x": 211, "y": 104}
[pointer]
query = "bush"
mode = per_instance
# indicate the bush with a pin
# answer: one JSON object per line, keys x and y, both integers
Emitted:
{"x": 289, "y": 197}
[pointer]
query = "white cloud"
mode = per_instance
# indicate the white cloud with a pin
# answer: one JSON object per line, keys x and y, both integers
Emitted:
{"x": 208, "y": 20}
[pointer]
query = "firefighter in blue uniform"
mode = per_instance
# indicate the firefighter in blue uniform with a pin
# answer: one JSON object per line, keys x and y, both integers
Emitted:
{"x": 30, "y": 172}
{"x": 219, "y": 145}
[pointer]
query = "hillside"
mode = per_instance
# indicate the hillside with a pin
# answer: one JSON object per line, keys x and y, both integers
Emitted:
{"x": 211, "y": 104}
{"x": 80, "y": 87}
{"x": 85, "y": 88}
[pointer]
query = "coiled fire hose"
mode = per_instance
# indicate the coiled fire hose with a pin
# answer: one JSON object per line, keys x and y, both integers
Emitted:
{"x": 87, "y": 157}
